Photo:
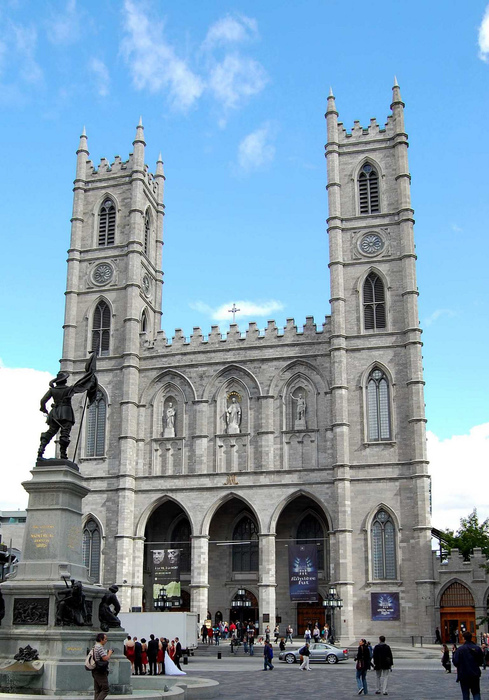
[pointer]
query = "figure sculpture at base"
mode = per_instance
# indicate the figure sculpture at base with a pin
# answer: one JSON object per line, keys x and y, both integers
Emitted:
{"x": 61, "y": 417}
{"x": 109, "y": 609}
{"x": 71, "y": 606}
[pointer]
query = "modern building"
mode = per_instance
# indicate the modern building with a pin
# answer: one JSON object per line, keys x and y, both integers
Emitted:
{"x": 233, "y": 447}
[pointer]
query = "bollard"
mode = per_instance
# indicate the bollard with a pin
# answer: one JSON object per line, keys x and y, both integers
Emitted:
{"x": 185, "y": 660}
{"x": 412, "y": 641}
{"x": 219, "y": 655}
{"x": 421, "y": 640}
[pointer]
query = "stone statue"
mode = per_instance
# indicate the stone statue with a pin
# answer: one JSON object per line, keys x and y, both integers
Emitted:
{"x": 61, "y": 417}
{"x": 233, "y": 417}
{"x": 170, "y": 421}
{"x": 71, "y": 608}
{"x": 109, "y": 609}
{"x": 301, "y": 411}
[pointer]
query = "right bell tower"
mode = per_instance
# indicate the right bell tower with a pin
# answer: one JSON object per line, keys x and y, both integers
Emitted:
{"x": 382, "y": 484}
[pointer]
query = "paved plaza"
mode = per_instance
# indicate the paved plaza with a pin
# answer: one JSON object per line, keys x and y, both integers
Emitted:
{"x": 243, "y": 677}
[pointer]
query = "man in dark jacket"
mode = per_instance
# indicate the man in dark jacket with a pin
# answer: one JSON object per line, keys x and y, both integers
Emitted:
{"x": 468, "y": 659}
{"x": 267, "y": 657}
{"x": 153, "y": 646}
{"x": 178, "y": 653}
{"x": 138, "y": 657}
{"x": 383, "y": 663}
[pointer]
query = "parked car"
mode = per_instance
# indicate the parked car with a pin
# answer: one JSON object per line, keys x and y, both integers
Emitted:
{"x": 319, "y": 651}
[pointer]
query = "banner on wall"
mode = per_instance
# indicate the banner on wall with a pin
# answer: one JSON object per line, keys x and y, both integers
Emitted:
{"x": 303, "y": 573}
{"x": 385, "y": 606}
{"x": 166, "y": 572}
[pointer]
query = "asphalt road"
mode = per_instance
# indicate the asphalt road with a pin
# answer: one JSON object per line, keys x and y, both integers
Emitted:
{"x": 242, "y": 677}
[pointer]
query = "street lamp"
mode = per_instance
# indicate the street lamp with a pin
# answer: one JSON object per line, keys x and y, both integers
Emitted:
{"x": 162, "y": 602}
{"x": 241, "y": 601}
{"x": 333, "y": 602}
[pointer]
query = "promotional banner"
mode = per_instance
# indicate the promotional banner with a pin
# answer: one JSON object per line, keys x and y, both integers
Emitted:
{"x": 385, "y": 606}
{"x": 166, "y": 572}
{"x": 303, "y": 573}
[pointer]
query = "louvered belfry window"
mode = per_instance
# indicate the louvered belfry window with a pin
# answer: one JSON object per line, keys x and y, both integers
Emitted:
{"x": 378, "y": 407}
{"x": 91, "y": 549}
{"x": 146, "y": 233}
{"x": 383, "y": 546}
{"x": 368, "y": 190}
{"x": 373, "y": 303}
{"x": 106, "y": 224}
{"x": 101, "y": 329}
{"x": 96, "y": 417}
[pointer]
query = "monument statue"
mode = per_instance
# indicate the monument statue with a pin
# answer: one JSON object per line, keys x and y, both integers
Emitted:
{"x": 71, "y": 607}
{"x": 233, "y": 417}
{"x": 61, "y": 417}
{"x": 170, "y": 421}
{"x": 109, "y": 609}
{"x": 301, "y": 411}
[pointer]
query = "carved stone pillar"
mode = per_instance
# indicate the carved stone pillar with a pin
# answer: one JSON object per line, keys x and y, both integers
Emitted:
{"x": 267, "y": 584}
{"x": 200, "y": 576}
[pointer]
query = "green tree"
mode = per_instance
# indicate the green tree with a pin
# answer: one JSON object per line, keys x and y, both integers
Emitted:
{"x": 470, "y": 534}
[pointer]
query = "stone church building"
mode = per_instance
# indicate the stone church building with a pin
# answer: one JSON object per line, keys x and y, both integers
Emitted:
{"x": 233, "y": 447}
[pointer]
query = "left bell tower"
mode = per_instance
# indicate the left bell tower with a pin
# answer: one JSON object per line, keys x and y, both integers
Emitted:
{"x": 114, "y": 283}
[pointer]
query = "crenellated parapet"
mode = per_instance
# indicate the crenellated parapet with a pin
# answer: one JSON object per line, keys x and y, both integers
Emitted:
{"x": 118, "y": 168}
{"x": 234, "y": 337}
{"x": 374, "y": 129}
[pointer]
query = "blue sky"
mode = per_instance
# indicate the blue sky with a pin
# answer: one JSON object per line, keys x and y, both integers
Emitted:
{"x": 234, "y": 95}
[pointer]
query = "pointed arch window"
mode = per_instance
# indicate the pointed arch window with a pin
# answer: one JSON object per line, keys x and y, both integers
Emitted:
{"x": 147, "y": 223}
{"x": 144, "y": 322}
{"x": 101, "y": 329}
{"x": 368, "y": 190}
{"x": 383, "y": 546}
{"x": 310, "y": 531}
{"x": 373, "y": 303}
{"x": 91, "y": 549}
{"x": 378, "y": 407}
{"x": 96, "y": 421}
{"x": 245, "y": 554}
{"x": 106, "y": 223}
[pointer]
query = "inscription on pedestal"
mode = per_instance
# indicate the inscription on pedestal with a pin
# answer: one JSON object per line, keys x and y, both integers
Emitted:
{"x": 41, "y": 535}
{"x": 31, "y": 611}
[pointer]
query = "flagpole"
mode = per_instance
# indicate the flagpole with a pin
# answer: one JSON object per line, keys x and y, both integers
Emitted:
{"x": 80, "y": 428}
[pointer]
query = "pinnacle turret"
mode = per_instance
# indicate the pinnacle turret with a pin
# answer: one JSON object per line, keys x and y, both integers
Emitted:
{"x": 331, "y": 103}
{"x": 396, "y": 94}
{"x": 83, "y": 145}
{"x": 159, "y": 166}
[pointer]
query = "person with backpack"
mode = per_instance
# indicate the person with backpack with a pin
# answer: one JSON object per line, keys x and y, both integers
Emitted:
{"x": 304, "y": 652}
{"x": 468, "y": 659}
{"x": 267, "y": 657}
{"x": 100, "y": 673}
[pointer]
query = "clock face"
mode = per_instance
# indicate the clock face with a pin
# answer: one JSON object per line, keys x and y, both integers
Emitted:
{"x": 146, "y": 285}
{"x": 102, "y": 273}
{"x": 371, "y": 244}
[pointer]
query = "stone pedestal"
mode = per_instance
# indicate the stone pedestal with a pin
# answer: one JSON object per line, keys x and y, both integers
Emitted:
{"x": 52, "y": 556}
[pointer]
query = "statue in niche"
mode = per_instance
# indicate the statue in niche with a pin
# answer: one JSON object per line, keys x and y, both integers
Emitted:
{"x": 300, "y": 416}
{"x": 169, "y": 420}
{"x": 109, "y": 609}
{"x": 233, "y": 417}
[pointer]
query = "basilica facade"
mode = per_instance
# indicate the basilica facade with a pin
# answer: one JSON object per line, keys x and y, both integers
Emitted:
{"x": 231, "y": 448}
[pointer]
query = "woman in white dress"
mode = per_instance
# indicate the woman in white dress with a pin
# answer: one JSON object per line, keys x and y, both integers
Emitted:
{"x": 171, "y": 669}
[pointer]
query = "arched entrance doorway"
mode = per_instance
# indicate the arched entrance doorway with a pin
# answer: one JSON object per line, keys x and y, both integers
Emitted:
{"x": 457, "y": 612}
{"x": 168, "y": 528}
{"x": 245, "y": 608}
{"x": 308, "y": 614}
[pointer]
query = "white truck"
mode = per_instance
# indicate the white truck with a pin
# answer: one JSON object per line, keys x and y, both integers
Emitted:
{"x": 163, "y": 624}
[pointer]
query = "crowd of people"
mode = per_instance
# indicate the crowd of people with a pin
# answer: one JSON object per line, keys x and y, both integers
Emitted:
{"x": 155, "y": 656}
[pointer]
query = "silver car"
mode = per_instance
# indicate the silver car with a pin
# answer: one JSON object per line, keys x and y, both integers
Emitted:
{"x": 319, "y": 651}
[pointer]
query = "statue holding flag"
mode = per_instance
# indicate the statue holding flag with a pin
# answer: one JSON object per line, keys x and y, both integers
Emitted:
{"x": 61, "y": 417}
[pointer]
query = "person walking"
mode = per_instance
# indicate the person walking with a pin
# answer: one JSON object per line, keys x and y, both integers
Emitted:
{"x": 383, "y": 663}
{"x": 362, "y": 666}
{"x": 276, "y": 633}
{"x": 251, "y": 641}
{"x": 290, "y": 632}
{"x": 101, "y": 671}
{"x": 304, "y": 652}
{"x": 445, "y": 659}
{"x": 468, "y": 659}
{"x": 267, "y": 657}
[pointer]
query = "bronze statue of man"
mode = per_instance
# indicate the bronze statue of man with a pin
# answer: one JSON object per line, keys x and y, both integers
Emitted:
{"x": 61, "y": 417}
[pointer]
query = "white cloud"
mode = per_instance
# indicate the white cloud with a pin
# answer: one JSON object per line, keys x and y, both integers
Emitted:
{"x": 25, "y": 41}
{"x": 255, "y": 151}
{"x": 235, "y": 79}
{"x": 153, "y": 63}
{"x": 22, "y": 423}
{"x": 231, "y": 30}
{"x": 484, "y": 36}
{"x": 101, "y": 74}
{"x": 246, "y": 309}
{"x": 456, "y": 228}
{"x": 64, "y": 25}
{"x": 459, "y": 469}
{"x": 438, "y": 313}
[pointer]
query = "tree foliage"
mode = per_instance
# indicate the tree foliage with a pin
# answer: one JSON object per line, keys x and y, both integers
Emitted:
{"x": 469, "y": 535}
